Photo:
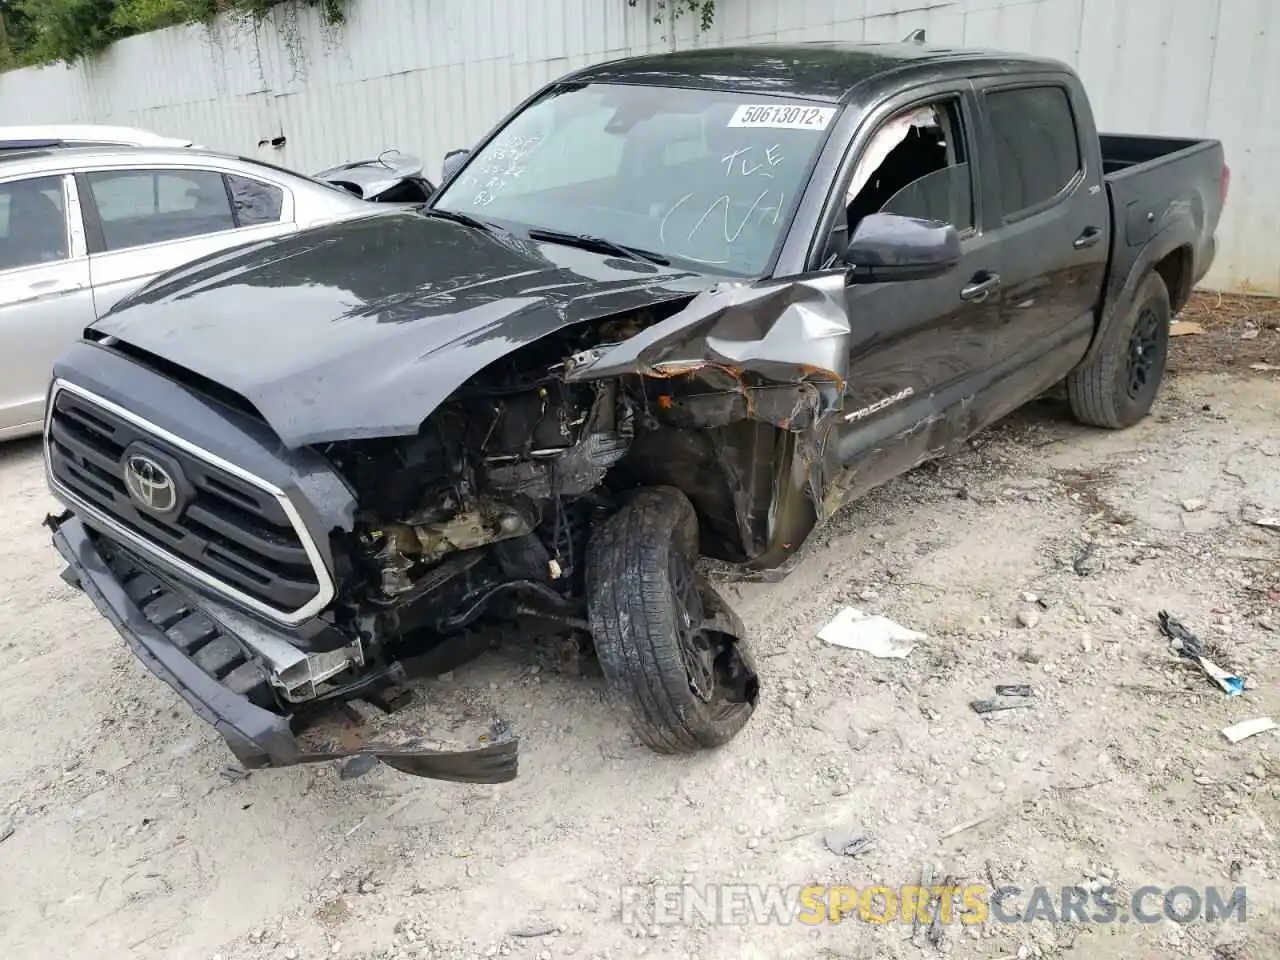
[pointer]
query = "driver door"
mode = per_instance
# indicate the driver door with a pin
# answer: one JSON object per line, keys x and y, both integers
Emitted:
{"x": 917, "y": 347}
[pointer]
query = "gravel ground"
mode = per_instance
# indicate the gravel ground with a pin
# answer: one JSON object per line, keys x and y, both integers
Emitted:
{"x": 1041, "y": 555}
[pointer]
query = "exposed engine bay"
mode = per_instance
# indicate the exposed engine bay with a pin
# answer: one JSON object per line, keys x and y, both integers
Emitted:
{"x": 498, "y": 464}
{"x": 514, "y": 462}
{"x": 487, "y": 513}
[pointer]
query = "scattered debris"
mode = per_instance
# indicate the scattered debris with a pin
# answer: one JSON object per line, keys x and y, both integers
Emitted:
{"x": 1250, "y": 334}
{"x": 968, "y": 825}
{"x": 1268, "y": 523}
{"x": 1192, "y": 505}
{"x": 926, "y": 883}
{"x": 1009, "y": 696}
{"x": 950, "y": 889}
{"x": 847, "y": 843}
{"x": 1083, "y": 563}
{"x": 234, "y": 773}
{"x": 533, "y": 930}
{"x": 1187, "y": 646}
{"x": 6, "y": 830}
{"x": 1183, "y": 328}
{"x": 358, "y": 766}
{"x": 995, "y": 705}
{"x": 1013, "y": 689}
{"x": 1263, "y": 366}
{"x": 1084, "y": 786}
{"x": 1028, "y": 618}
{"x": 876, "y": 635}
{"x": 1248, "y": 728}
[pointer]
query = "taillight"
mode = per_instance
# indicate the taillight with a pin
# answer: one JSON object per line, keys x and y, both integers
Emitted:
{"x": 1226, "y": 183}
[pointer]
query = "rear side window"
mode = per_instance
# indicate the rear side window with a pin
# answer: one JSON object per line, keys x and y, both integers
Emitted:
{"x": 1036, "y": 147}
{"x": 254, "y": 202}
{"x": 33, "y": 223}
{"x": 138, "y": 207}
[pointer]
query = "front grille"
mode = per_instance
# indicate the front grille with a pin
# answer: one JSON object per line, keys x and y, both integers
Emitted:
{"x": 201, "y": 638}
{"x": 232, "y": 532}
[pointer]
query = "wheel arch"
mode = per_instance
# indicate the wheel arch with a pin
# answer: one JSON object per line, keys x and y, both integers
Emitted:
{"x": 1168, "y": 254}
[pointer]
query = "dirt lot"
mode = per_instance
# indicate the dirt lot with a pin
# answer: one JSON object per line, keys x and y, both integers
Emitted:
{"x": 127, "y": 840}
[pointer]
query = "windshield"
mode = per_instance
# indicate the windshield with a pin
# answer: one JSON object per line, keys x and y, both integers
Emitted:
{"x": 699, "y": 176}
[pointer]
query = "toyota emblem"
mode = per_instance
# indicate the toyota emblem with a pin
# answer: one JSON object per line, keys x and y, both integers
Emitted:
{"x": 150, "y": 484}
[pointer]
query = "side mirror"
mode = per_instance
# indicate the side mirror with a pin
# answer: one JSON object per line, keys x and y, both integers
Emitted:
{"x": 888, "y": 247}
{"x": 453, "y": 161}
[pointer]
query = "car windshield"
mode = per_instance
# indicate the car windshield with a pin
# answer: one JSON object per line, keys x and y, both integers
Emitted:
{"x": 706, "y": 177}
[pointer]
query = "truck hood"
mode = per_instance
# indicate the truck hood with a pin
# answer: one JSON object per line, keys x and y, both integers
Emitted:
{"x": 361, "y": 329}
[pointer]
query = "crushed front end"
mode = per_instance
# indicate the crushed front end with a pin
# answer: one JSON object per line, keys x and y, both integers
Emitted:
{"x": 212, "y": 551}
{"x": 566, "y": 487}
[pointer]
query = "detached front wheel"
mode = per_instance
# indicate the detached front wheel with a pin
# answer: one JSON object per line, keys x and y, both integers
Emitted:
{"x": 673, "y": 653}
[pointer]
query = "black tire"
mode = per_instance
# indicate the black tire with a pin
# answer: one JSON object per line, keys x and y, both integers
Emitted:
{"x": 685, "y": 688}
{"x": 1117, "y": 388}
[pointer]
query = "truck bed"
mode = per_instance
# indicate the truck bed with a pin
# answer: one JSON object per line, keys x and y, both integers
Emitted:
{"x": 1149, "y": 177}
{"x": 1120, "y": 151}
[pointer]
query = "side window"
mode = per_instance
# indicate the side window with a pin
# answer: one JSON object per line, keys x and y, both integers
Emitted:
{"x": 915, "y": 165}
{"x": 254, "y": 202}
{"x": 33, "y": 223}
{"x": 1037, "y": 152}
{"x": 137, "y": 207}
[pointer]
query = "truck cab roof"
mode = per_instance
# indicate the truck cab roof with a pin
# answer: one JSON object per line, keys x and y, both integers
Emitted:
{"x": 820, "y": 70}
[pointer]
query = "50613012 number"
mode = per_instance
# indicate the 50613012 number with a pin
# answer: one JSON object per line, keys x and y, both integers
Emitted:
{"x": 782, "y": 116}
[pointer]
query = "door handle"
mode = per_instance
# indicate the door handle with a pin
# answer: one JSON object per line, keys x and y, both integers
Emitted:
{"x": 50, "y": 286}
{"x": 980, "y": 286}
{"x": 1090, "y": 236}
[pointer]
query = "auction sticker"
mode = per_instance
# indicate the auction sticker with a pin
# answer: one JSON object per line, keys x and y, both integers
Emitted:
{"x": 782, "y": 117}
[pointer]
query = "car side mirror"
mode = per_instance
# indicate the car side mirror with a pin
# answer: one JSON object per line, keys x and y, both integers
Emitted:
{"x": 453, "y": 161}
{"x": 888, "y": 247}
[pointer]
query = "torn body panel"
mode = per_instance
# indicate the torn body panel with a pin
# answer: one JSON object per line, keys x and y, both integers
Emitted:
{"x": 775, "y": 353}
{"x": 785, "y": 332}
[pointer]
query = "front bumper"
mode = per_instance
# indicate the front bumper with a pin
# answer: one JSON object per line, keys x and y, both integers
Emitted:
{"x": 221, "y": 683}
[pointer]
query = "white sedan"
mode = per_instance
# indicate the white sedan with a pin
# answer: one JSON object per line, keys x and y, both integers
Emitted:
{"x": 80, "y": 228}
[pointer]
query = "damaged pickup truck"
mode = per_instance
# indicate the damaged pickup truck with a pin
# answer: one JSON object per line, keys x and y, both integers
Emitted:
{"x": 676, "y": 306}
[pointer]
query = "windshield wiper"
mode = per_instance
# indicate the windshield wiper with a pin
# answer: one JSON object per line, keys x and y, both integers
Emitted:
{"x": 587, "y": 242}
{"x": 463, "y": 218}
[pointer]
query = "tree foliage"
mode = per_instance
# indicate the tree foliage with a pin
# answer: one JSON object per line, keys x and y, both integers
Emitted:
{"x": 40, "y": 32}
{"x": 704, "y": 10}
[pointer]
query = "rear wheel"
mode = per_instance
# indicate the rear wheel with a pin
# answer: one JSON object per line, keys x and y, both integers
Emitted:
{"x": 1117, "y": 388}
{"x": 670, "y": 649}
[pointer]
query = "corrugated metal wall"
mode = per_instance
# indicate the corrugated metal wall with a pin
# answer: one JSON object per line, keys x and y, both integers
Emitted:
{"x": 429, "y": 75}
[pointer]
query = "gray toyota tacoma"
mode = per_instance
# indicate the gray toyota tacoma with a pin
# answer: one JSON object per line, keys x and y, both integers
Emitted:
{"x": 671, "y": 307}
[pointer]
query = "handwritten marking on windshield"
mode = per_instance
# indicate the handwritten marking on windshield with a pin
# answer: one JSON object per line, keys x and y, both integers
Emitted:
{"x": 730, "y": 235}
{"x": 501, "y": 164}
{"x": 662, "y": 225}
{"x": 727, "y": 201}
{"x": 743, "y": 160}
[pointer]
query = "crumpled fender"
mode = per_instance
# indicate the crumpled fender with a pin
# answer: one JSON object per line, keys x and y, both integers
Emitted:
{"x": 785, "y": 331}
{"x": 782, "y": 346}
